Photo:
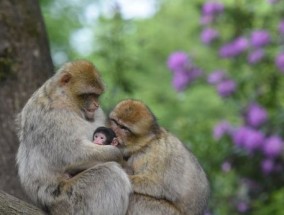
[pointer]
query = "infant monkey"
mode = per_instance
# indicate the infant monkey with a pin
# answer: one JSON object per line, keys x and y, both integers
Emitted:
{"x": 105, "y": 136}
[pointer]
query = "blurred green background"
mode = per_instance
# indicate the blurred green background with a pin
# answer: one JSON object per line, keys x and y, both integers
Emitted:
{"x": 130, "y": 43}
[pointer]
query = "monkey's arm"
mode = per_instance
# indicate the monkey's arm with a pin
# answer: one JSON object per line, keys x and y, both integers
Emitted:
{"x": 88, "y": 152}
{"x": 147, "y": 185}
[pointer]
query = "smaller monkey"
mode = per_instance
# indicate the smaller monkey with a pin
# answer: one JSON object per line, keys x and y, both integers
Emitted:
{"x": 166, "y": 175}
{"x": 105, "y": 136}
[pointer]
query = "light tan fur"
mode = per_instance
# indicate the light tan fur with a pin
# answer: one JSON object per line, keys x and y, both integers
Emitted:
{"x": 55, "y": 133}
{"x": 164, "y": 170}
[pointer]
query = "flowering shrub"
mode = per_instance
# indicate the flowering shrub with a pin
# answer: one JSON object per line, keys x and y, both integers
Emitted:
{"x": 252, "y": 79}
{"x": 184, "y": 72}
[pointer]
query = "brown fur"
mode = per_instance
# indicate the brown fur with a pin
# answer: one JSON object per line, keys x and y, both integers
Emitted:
{"x": 163, "y": 169}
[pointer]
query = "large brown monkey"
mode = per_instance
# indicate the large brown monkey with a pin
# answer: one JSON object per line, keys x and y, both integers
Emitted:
{"x": 55, "y": 131}
{"x": 167, "y": 178}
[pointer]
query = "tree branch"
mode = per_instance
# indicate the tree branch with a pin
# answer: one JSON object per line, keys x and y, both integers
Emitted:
{"x": 14, "y": 206}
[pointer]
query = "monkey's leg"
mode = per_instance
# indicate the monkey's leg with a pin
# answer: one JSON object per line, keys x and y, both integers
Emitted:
{"x": 100, "y": 190}
{"x": 141, "y": 205}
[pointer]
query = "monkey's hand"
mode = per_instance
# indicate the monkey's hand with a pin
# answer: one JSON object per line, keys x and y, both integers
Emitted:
{"x": 94, "y": 152}
{"x": 147, "y": 185}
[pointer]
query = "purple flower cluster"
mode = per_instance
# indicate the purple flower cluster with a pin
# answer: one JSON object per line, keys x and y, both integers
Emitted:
{"x": 178, "y": 61}
{"x": 221, "y": 129}
{"x": 255, "y": 115}
{"x": 253, "y": 140}
{"x": 184, "y": 72}
{"x": 272, "y": 1}
{"x": 269, "y": 165}
{"x": 281, "y": 27}
{"x": 255, "y": 56}
{"x": 273, "y": 146}
{"x": 234, "y": 48}
{"x": 248, "y": 138}
{"x": 260, "y": 38}
{"x": 216, "y": 77}
{"x": 279, "y": 61}
{"x": 255, "y": 42}
{"x": 208, "y": 35}
{"x": 210, "y": 10}
{"x": 226, "y": 166}
{"x": 224, "y": 86}
{"x": 242, "y": 207}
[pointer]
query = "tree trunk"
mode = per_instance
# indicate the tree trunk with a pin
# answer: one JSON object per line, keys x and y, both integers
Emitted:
{"x": 25, "y": 63}
{"x": 11, "y": 205}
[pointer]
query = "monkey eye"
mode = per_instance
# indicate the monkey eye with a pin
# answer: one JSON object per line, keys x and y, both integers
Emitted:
{"x": 87, "y": 95}
{"x": 121, "y": 126}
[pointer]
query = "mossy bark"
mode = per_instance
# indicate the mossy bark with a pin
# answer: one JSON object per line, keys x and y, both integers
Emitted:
{"x": 25, "y": 63}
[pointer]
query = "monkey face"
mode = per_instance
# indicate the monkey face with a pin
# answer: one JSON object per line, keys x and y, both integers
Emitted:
{"x": 100, "y": 138}
{"x": 82, "y": 83}
{"x": 133, "y": 123}
{"x": 122, "y": 132}
{"x": 89, "y": 103}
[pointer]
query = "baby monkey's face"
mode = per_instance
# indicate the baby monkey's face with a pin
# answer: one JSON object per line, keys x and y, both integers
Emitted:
{"x": 100, "y": 138}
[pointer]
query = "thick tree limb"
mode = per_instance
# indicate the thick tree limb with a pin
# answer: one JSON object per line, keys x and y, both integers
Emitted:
{"x": 13, "y": 206}
{"x": 25, "y": 63}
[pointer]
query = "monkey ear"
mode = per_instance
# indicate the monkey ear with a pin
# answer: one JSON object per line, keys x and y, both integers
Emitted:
{"x": 65, "y": 78}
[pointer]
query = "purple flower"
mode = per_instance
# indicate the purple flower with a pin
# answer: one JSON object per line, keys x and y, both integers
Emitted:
{"x": 239, "y": 136}
{"x": 227, "y": 51}
{"x": 279, "y": 61}
{"x": 216, "y": 77}
{"x": 255, "y": 115}
{"x": 255, "y": 56}
{"x": 267, "y": 166}
{"x": 212, "y": 8}
{"x": 241, "y": 44}
{"x": 221, "y": 129}
{"x": 253, "y": 140}
{"x": 226, "y": 166}
{"x": 178, "y": 61}
{"x": 183, "y": 78}
{"x": 272, "y": 1}
{"x": 260, "y": 38}
{"x": 242, "y": 207}
{"x": 248, "y": 138}
{"x": 226, "y": 88}
{"x": 234, "y": 48}
{"x": 180, "y": 80}
{"x": 273, "y": 146}
{"x": 281, "y": 27}
{"x": 208, "y": 35}
{"x": 195, "y": 73}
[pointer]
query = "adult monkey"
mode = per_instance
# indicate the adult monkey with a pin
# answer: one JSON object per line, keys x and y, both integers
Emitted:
{"x": 55, "y": 131}
{"x": 167, "y": 178}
